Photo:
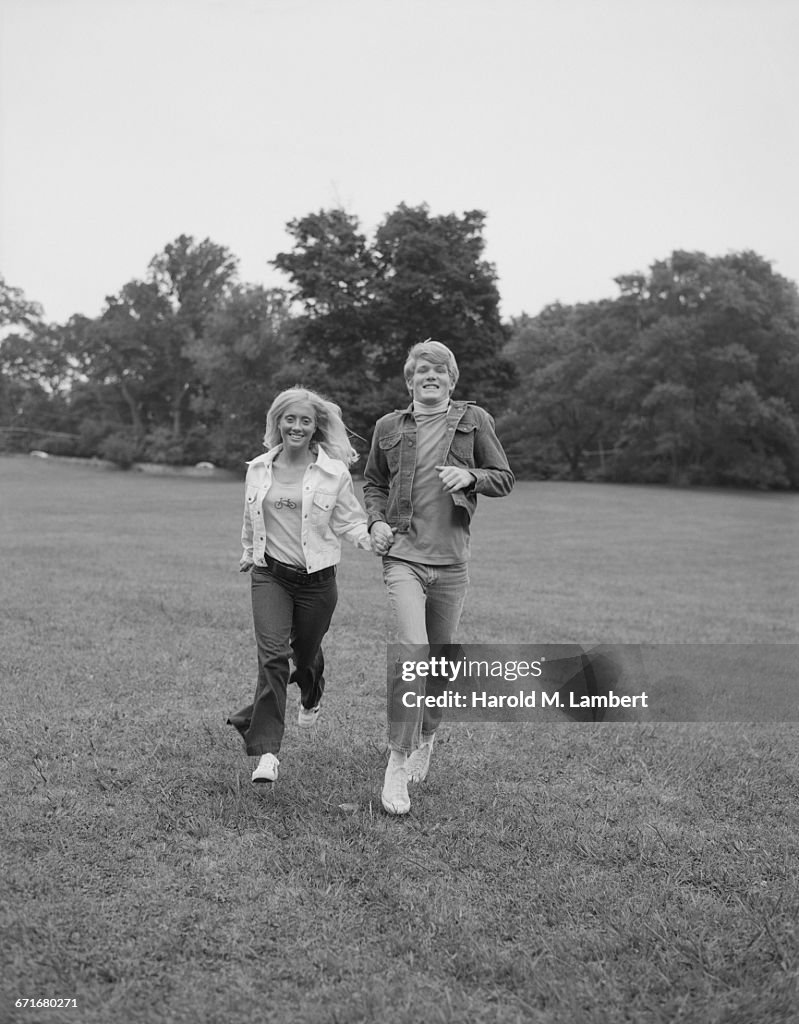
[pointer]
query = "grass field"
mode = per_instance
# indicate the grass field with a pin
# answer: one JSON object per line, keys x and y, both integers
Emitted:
{"x": 546, "y": 873}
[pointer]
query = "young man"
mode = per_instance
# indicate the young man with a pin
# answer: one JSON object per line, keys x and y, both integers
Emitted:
{"x": 426, "y": 466}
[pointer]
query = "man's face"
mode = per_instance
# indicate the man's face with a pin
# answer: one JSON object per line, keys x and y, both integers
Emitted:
{"x": 430, "y": 383}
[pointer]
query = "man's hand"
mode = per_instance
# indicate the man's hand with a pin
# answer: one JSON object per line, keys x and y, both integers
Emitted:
{"x": 245, "y": 565}
{"x": 382, "y": 537}
{"x": 453, "y": 478}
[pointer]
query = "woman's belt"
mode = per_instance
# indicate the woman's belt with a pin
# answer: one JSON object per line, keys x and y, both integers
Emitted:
{"x": 293, "y": 574}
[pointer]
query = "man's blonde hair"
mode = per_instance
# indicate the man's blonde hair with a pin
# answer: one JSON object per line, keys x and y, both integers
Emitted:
{"x": 435, "y": 352}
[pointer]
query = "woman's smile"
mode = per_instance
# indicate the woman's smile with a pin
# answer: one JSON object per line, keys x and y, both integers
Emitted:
{"x": 297, "y": 425}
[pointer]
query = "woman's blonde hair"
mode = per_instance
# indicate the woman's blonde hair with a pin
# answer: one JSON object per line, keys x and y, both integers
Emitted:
{"x": 434, "y": 352}
{"x": 330, "y": 432}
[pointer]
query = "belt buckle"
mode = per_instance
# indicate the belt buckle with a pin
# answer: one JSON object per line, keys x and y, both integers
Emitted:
{"x": 292, "y": 574}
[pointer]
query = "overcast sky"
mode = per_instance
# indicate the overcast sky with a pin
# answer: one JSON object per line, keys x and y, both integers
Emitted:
{"x": 596, "y": 135}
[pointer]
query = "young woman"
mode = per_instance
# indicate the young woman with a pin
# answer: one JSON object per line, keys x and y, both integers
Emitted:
{"x": 299, "y": 500}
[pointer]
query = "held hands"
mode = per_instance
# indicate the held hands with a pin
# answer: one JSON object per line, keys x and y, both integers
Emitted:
{"x": 382, "y": 537}
{"x": 453, "y": 478}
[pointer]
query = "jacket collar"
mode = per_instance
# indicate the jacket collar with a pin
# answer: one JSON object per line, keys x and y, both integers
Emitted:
{"x": 325, "y": 463}
{"x": 458, "y": 405}
{"x": 323, "y": 460}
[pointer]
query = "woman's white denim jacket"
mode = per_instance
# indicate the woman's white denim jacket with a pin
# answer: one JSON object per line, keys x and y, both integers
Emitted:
{"x": 329, "y": 510}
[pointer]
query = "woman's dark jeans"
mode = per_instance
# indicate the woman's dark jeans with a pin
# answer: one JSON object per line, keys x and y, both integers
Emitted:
{"x": 290, "y": 620}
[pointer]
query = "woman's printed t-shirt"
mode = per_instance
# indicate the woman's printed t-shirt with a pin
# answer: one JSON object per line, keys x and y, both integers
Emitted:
{"x": 282, "y": 509}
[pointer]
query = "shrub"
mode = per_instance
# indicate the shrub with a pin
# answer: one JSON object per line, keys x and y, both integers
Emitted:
{"x": 58, "y": 444}
{"x": 121, "y": 448}
{"x": 160, "y": 446}
{"x": 92, "y": 433}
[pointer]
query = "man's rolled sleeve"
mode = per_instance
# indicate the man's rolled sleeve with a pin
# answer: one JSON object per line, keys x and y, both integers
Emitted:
{"x": 376, "y": 485}
{"x": 493, "y": 475}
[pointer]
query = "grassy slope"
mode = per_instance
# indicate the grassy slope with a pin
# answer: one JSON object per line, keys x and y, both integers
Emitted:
{"x": 546, "y": 873}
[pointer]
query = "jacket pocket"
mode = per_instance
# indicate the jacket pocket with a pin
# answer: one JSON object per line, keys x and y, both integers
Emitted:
{"x": 390, "y": 446}
{"x": 462, "y": 446}
{"x": 322, "y": 506}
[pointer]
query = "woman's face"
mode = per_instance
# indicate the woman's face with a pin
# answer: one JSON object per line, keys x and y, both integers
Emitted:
{"x": 297, "y": 426}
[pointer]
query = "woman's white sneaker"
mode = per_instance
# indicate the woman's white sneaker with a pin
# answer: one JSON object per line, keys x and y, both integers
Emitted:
{"x": 307, "y": 716}
{"x": 266, "y": 771}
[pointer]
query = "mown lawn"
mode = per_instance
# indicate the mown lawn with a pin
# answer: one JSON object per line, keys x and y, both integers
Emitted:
{"x": 554, "y": 872}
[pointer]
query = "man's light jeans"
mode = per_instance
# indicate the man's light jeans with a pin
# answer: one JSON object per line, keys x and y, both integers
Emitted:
{"x": 425, "y": 604}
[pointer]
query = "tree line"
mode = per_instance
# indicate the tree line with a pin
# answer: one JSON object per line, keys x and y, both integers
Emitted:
{"x": 689, "y": 375}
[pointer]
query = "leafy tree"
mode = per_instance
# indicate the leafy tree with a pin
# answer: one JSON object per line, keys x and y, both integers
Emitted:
{"x": 15, "y": 309}
{"x": 243, "y": 361}
{"x": 332, "y": 272}
{"x": 432, "y": 281}
{"x": 566, "y": 407}
{"x": 364, "y": 304}
{"x": 332, "y": 269}
{"x": 33, "y": 373}
{"x": 716, "y": 373}
{"x": 690, "y": 376}
{"x": 192, "y": 279}
{"x": 757, "y": 438}
{"x": 135, "y": 357}
{"x": 120, "y": 353}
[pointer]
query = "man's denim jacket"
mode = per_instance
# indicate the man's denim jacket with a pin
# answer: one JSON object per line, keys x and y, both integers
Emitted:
{"x": 471, "y": 443}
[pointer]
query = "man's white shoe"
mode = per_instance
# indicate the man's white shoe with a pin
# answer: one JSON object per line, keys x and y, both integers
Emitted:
{"x": 418, "y": 763}
{"x": 307, "y": 716}
{"x": 395, "y": 797}
{"x": 266, "y": 771}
